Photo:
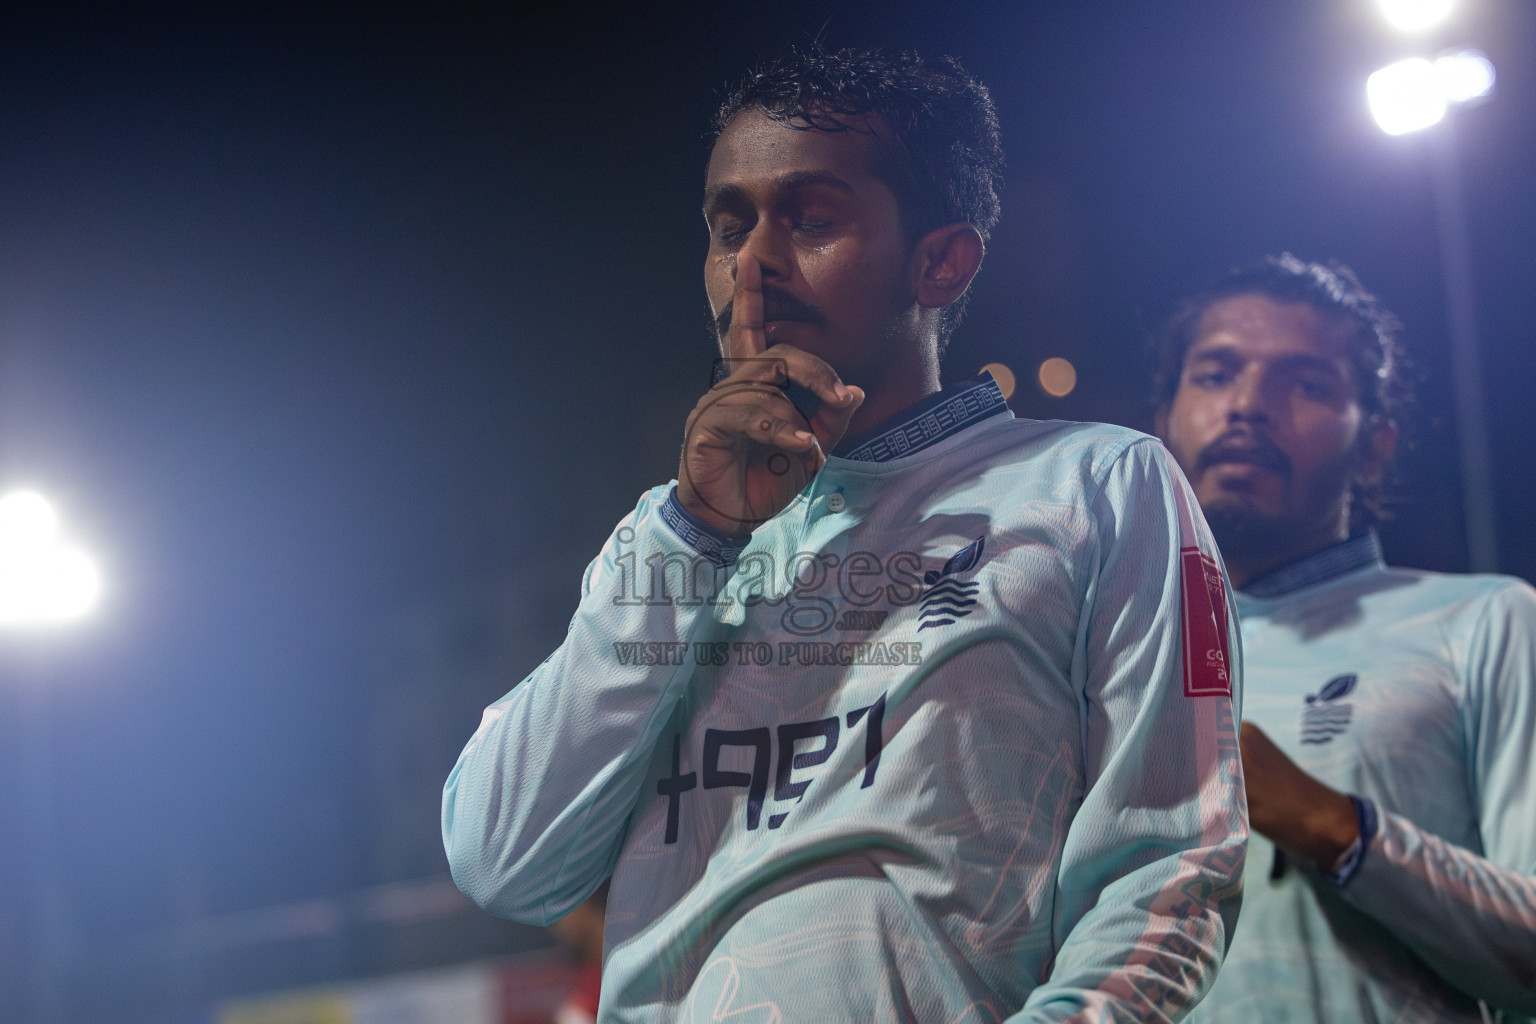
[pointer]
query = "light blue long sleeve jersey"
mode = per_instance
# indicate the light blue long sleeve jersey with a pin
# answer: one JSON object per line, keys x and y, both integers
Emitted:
{"x": 1416, "y": 692}
{"x": 930, "y": 748}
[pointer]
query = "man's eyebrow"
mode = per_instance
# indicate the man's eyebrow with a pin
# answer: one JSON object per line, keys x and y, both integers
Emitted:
{"x": 1218, "y": 350}
{"x": 1321, "y": 364}
{"x": 716, "y": 196}
{"x": 801, "y": 179}
{"x": 1224, "y": 351}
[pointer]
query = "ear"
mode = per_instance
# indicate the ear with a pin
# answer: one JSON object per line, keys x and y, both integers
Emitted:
{"x": 943, "y": 263}
{"x": 1376, "y": 449}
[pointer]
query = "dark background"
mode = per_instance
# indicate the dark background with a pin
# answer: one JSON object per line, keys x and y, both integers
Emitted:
{"x": 343, "y": 335}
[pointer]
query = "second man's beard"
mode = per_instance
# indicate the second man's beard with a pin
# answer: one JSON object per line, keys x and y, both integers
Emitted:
{"x": 1249, "y": 538}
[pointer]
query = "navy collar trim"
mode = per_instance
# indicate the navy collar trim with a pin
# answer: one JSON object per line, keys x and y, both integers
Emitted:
{"x": 936, "y": 418}
{"x": 1331, "y": 562}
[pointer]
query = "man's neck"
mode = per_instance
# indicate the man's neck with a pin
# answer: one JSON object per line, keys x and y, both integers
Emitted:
{"x": 893, "y": 390}
{"x": 887, "y": 405}
{"x": 1243, "y": 571}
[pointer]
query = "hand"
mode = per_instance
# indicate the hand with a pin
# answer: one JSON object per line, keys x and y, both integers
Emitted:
{"x": 1304, "y": 817}
{"x": 748, "y": 451}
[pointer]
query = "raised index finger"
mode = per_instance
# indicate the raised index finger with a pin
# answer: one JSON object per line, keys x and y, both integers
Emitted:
{"x": 746, "y": 335}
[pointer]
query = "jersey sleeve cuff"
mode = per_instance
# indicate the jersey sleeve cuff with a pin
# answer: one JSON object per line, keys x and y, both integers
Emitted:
{"x": 701, "y": 537}
{"x": 1366, "y": 821}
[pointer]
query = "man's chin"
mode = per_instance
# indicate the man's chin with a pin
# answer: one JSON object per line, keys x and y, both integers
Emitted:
{"x": 1245, "y": 534}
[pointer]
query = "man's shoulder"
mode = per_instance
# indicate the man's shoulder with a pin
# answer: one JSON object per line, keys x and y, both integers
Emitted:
{"x": 1022, "y": 464}
{"x": 1068, "y": 442}
{"x": 1460, "y": 593}
{"x": 1485, "y": 624}
{"x": 1444, "y": 588}
{"x": 1394, "y": 598}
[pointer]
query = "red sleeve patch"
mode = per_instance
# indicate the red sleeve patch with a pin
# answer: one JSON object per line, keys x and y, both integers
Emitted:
{"x": 1207, "y": 662}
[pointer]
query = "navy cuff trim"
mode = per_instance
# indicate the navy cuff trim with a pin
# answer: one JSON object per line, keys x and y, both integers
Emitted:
{"x": 703, "y": 538}
{"x": 1366, "y": 821}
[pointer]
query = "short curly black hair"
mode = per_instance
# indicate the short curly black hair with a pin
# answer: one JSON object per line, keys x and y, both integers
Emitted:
{"x": 941, "y": 150}
{"x": 1376, "y": 354}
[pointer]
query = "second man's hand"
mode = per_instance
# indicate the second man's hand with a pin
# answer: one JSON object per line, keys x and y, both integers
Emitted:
{"x": 748, "y": 451}
{"x": 1298, "y": 813}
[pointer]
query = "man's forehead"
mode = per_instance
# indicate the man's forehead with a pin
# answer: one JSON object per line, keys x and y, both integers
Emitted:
{"x": 755, "y": 148}
{"x": 1262, "y": 323}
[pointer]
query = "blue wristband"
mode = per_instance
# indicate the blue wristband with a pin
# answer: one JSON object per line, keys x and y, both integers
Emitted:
{"x": 1366, "y": 822}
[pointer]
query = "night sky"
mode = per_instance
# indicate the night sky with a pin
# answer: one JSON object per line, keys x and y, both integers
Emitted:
{"x": 342, "y": 336}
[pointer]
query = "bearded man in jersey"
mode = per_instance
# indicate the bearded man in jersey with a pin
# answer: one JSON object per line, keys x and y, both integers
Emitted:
{"x": 892, "y": 707}
{"x": 1391, "y": 714}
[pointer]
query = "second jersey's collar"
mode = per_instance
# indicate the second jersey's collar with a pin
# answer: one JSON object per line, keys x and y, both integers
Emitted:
{"x": 938, "y": 417}
{"x": 1320, "y": 566}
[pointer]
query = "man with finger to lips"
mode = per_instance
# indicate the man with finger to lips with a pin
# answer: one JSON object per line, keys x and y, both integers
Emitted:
{"x": 892, "y": 707}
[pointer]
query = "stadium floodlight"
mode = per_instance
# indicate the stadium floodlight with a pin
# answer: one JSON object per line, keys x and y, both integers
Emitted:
{"x": 42, "y": 580}
{"x": 1465, "y": 75}
{"x": 1415, "y": 15}
{"x": 1406, "y": 96}
{"x": 26, "y": 520}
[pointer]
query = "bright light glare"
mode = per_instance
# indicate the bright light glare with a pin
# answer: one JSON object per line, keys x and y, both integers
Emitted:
{"x": 26, "y": 519}
{"x": 1415, "y": 15}
{"x": 41, "y": 580}
{"x": 1463, "y": 76}
{"x": 1405, "y": 96}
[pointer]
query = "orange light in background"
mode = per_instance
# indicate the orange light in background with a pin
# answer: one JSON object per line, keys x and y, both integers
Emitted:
{"x": 1006, "y": 381}
{"x": 1057, "y": 377}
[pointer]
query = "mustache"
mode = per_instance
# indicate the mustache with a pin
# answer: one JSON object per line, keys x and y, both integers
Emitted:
{"x": 1245, "y": 446}
{"x": 777, "y": 305}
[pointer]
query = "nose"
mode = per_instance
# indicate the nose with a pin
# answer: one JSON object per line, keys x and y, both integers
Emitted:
{"x": 1248, "y": 401}
{"x": 766, "y": 243}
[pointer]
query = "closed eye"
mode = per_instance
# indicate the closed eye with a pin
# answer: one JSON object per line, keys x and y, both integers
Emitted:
{"x": 729, "y": 231}
{"x": 1316, "y": 390}
{"x": 1210, "y": 378}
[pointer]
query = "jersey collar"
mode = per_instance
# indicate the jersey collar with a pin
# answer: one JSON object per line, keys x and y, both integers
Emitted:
{"x": 1333, "y": 561}
{"x": 936, "y": 418}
